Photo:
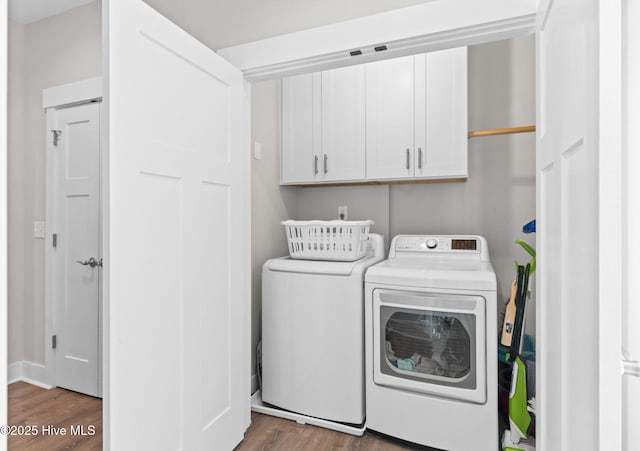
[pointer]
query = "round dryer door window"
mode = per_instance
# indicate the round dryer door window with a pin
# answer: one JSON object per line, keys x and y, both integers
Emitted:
{"x": 430, "y": 343}
{"x": 430, "y": 346}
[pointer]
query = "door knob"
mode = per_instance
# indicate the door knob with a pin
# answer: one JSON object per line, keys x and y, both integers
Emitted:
{"x": 630, "y": 367}
{"x": 91, "y": 262}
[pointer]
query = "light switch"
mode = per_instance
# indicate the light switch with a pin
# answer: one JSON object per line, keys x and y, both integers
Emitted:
{"x": 257, "y": 151}
{"x": 38, "y": 229}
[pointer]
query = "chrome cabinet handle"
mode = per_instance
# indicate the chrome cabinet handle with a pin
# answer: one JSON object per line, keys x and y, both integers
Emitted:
{"x": 325, "y": 164}
{"x": 315, "y": 164}
{"x": 91, "y": 262}
{"x": 408, "y": 158}
{"x": 419, "y": 157}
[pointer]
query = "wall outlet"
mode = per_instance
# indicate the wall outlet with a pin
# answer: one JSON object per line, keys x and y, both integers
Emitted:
{"x": 257, "y": 151}
{"x": 343, "y": 212}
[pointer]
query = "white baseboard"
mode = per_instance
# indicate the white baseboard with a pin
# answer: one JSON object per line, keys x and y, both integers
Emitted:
{"x": 258, "y": 406}
{"x": 254, "y": 383}
{"x": 29, "y": 372}
{"x": 14, "y": 371}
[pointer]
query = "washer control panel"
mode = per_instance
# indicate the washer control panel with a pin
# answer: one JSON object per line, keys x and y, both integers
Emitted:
{"x": 453, "y": 244}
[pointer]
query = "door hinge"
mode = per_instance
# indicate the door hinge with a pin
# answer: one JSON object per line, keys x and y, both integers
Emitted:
{"x": 56, "y": 136}
{"x": 55, "y": 240}
{"x": 54, "y": 341}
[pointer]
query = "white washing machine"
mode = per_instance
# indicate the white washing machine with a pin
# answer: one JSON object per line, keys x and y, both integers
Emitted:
{"x": 313, "y": 339}
{"x": 431, "y": 343}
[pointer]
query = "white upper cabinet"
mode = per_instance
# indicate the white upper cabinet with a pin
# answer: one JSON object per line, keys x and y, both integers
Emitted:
{"x": 343, "y": 124}
{"x": 417, "y": 116}
{"x": 402, "y": 118}
{"x": 441, "y": 114}
{"x": 300, "y": 140}
{"x": 323, "y": 136}
{"x": 390, "y": 111}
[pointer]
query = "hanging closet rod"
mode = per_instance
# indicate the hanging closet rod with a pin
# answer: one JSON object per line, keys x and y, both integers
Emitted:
{"x": 502, "y": 131}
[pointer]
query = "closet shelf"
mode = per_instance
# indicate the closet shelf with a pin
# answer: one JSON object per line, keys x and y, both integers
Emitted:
{"x": 502, "y": 131}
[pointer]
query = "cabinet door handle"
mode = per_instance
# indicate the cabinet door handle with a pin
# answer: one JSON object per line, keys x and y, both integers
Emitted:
{"x": 315, "y": 164}
{"x": 419, "y": 157}
{"x": 325, "y": 164}
{"x": 408, "y": 158}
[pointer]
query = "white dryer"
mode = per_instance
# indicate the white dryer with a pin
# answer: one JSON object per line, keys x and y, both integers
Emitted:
{"x": 313, "y": 338}
{"x": 431, "y": 343}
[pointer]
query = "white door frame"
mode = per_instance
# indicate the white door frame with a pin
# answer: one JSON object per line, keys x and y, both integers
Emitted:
{"x": 612, "y": 244}
{"x": 601, "y": 410}
{"x": 3, "y": 220}
{"x": 631, "y": 266}
{"x": 405, "y": 31}
{"x": 54, "y": 98}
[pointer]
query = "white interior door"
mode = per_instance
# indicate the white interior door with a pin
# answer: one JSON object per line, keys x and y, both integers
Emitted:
{"x": 178, "y": 264}
{"x": 76, "y": 277}
{"x": 579, "y": 223}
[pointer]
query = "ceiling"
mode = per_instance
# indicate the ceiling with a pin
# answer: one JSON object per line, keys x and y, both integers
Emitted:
{"x": 27, "y": 11}
{"x": 222, "y": 23}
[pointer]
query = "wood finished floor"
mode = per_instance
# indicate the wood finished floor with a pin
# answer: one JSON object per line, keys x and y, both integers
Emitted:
{"x": 35, "y": 406}
{"x": 272, "y": 433}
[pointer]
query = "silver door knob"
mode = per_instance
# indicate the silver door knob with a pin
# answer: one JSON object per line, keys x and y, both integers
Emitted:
{"x": 91, "y": 262}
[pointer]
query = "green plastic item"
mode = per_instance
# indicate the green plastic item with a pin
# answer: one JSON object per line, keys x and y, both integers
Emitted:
{"x": 531, "y": 251}
{"x": 519, "y": 417}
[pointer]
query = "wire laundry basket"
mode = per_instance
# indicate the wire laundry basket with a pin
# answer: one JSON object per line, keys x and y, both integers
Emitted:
{"x": 327, "y": 240}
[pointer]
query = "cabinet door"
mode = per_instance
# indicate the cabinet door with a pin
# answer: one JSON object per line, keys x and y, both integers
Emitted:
{"x": 343, "y": 124}
{"x": 300, "y": 154}
{"x": 441, "y": 114}
{"x": 390, "y": 109}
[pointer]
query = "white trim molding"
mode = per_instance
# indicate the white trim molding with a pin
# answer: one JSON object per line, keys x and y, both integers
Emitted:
{"x": 255, "y": 385}
{"x": 613, "y": 247}
{"x": 429, "y": 26}
{"x": 29, "y": 372}
{"x": 78, "y": 92}
{"x": 3, "y": 221}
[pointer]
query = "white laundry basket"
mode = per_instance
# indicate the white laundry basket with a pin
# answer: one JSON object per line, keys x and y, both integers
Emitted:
{"x": 327, "y": 240}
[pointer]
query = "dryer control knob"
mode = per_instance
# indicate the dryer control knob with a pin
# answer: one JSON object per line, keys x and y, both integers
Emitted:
{"x": 431, "y": 244}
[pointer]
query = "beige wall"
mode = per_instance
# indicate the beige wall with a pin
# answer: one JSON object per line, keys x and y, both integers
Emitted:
{"x": 363, "y": 202}
{"x": 270, "y": 203}
{"x": 57, "y": 50}
{"x": 497, "y": 199}
{"x": 66, "y": 48}
{"x": 499, "y": 196}
{"x": 18, "y": 231}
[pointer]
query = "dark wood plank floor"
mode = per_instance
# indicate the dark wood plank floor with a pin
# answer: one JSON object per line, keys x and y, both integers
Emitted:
{"x": 34, "y": 406}
{"x": 56, "y": 408}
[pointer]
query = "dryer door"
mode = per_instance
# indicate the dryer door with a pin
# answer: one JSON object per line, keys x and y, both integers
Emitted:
{"x": 430, "y": 343}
